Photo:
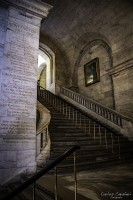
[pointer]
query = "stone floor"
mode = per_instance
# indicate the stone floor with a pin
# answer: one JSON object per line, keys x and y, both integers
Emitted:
{"x": 115, "y": 182}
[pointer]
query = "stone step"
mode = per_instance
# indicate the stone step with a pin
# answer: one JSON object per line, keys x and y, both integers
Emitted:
{"x": 69, "y": 168}
{"x": 92, "y": 150}
{"x": 70, "y": 128}
{"x": 72, "y": 117}
{"x": 89, "y": 165}
{"x": 95, "y": 141}
{"x": 84, "y": 156}
{"x": 60, "y": 119}
{"x": 71, "y": 142}
{"x": 56, "y": 137}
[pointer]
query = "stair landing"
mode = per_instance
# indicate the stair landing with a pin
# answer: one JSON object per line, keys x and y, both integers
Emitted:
{"x": 106, "y": 183}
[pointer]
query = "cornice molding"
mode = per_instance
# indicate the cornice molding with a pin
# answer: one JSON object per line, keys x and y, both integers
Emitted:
{"x": 120, "y": 67}
{"x": 35, "y": 7}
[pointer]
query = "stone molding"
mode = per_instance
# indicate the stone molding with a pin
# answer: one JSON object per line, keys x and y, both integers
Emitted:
{"x": 45, "y": 118}
{"x": 37, "y": 8}
{"x": 120, "y": 67}
{"x": 89, "y": 45}
{"x": 127, "y": 124}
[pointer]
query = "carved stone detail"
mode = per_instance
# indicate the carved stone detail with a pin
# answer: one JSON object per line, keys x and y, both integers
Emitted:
{"x": 38, "y": 8}
{"x": 120, "y": 67}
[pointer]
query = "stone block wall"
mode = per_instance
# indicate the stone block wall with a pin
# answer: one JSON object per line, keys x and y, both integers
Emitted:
{"x": 19, "y": 43}
{"x": 100, "y": 91}
{"x": 18, "y": 94}
{"x": 122, "y": 76}
{"x": 77, "y": 23}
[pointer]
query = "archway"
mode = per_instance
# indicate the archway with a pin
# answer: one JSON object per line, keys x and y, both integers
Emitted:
{"x": 46, "y": 68}
{"x": 95, "y": 48}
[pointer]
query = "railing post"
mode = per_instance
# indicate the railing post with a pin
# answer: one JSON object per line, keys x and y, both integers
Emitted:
{"x": 75, "y": 177}
{"x": 106, "y": 138}
{"x": 60, "y": 105}
{"x": 63, "y": 107}
{"x": 112, "y": 143}
{"x": 89, "y": 127}
{"x": 100, "y": 134}
{"x": 85, "y": 123}
{"x": 80, "y": 120}
{"x": 66, "y": 110}
{"x": 73, "y": 114}
{"x": 56, "y": 190}
{"x": 69, "y": 112}
{"x": 39, "y": 174}
{"x": 94, "y": 136}
{"x": 119, "y": 147}
{"x": 105, "y": 112}
{"x": 76, "y": 117}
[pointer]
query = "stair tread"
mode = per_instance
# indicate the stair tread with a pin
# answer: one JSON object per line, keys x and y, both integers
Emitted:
{"x": 65, "y": 132}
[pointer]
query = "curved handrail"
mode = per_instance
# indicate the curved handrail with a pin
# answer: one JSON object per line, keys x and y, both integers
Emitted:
{"x": 44, "y": 127}
{"x": 39, "y": 174}
{"x": 42, "y": 134}
{"x": 44, "y": 117}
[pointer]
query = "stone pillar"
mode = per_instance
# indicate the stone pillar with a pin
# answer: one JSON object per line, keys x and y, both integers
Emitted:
{"x": 19, "y": 42}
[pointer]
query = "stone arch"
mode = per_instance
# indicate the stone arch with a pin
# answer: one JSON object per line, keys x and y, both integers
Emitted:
{"x": 42, "y": 75}
{"x": 91, "y": 44}
{"x": 50, "y": 58}
{"x": 86, "y": 42}
{"x": 61, "y": 62}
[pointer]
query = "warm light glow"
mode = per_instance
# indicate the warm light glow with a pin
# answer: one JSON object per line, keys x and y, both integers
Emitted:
{"x": 40, "y": 60}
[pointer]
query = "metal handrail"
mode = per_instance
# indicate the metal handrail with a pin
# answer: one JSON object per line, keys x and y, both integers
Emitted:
{"x": 39, "y": 174}
{"x": 81, "y": 118}
{"x": 41, "y": 94}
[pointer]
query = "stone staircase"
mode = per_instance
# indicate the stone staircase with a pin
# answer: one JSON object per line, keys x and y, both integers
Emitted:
{"x": 97, "y": 148}
{"x": 100, "y": 146}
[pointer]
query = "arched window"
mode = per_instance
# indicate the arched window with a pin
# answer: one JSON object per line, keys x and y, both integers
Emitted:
{"x": 46, "y": 70}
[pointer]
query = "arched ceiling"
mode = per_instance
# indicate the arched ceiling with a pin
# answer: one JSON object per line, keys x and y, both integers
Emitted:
{"x": 69, "y": 19}
{"x": 71, "y": 24}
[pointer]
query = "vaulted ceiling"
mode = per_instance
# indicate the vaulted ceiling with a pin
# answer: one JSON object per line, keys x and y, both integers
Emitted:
{"x": 71, "y": 24}
{"x": 70, "y": 18}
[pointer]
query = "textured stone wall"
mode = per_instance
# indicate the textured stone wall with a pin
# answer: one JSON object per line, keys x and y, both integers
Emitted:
{"x": 122, "y": 76}
{"x": 18, "y": 94}
{"x": 19, "y": 42}
{"x": 77, "y": 23}
{"x": 102, "y": 90}
{"x": 124, "y": 92}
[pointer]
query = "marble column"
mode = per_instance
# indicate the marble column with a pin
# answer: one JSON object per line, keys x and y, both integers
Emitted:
{"x": 19, "y": 42}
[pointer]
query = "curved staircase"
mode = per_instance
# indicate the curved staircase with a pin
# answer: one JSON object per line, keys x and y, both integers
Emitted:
{"x": 69, "y": 126}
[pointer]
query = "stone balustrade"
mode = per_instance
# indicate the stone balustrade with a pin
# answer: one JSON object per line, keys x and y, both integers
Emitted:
{"x": 43, "y": 137}
{"x": 108, "y": 116}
